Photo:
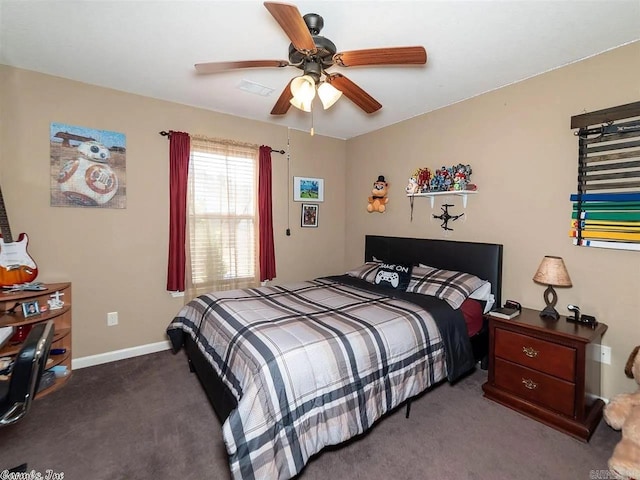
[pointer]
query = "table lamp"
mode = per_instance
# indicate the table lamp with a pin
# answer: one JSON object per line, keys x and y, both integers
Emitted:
{"x": 552, "y": 273}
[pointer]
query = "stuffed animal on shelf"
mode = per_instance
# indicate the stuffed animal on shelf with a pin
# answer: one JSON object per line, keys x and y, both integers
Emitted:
{"x": 461, "y": 176}
{"x": 379, "y": 199}
{"x": 422, "y": 176}
{"x": 623, "y": 413}
{"x": 442, "y": 180}
{"x": 412, "y": 187}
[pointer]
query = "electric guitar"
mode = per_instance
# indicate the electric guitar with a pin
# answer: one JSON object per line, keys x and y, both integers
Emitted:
{"x": 16, "y": 265}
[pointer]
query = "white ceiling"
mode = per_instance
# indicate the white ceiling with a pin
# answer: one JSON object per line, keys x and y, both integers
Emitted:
{"x": 149, "y": 48}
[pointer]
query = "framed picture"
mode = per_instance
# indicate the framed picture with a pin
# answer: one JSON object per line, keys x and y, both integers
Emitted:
{"x": 309, "y": 216}
{"x": 30, "y": 308}
{"x": 88, "y": 167}
{"x": 308, "y": 189}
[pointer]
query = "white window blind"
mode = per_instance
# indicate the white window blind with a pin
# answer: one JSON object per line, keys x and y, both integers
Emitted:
{"x": 222, "y": 217}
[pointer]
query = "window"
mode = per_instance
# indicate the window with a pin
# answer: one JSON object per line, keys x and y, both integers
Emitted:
{"x": 222, "y": 216}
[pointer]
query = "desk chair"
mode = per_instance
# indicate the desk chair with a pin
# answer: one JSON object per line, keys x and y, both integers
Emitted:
{"x": 18, "y": 392}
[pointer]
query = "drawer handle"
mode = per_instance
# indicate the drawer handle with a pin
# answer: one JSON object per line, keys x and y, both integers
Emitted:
{"x": 530, "y": 352}
{"x": 530, "y": 384}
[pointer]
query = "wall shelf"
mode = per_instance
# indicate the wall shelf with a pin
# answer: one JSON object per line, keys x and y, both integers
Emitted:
{"x": 433, "y": 195}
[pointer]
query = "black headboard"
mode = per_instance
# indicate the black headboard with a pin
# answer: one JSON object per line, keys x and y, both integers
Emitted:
{"x": 483, "y": 260}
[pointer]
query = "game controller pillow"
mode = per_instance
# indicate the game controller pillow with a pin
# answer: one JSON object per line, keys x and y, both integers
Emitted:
{"x": 393, "y": 275}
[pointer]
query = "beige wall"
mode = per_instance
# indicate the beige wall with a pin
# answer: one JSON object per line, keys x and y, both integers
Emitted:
{"x": 116, "y": 259}
{"x": 524, "y": 158}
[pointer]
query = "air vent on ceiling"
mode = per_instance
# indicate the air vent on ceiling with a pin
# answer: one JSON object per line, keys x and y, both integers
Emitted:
{"x": 255, "y": 88}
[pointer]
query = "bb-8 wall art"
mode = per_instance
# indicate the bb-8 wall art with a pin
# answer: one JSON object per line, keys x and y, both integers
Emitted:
{"x": 88, "y": 167}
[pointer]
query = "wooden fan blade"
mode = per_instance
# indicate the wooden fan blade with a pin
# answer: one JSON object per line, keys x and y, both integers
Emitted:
{"x": 282, "y": 105}
{"x": 289, "y": 18}
{"x": 354, "y": 93}
{"x": 217, "y": 67}
{"x": 382, "y": 56}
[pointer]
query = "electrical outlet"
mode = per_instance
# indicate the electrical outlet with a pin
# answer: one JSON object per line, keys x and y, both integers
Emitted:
{"x": 605, "y": 355}
{"x": 599, "y": 353}
{"x": 112, "y": 319}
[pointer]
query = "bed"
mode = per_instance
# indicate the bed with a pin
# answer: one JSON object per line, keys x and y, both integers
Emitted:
{"x": 293, "y": 368}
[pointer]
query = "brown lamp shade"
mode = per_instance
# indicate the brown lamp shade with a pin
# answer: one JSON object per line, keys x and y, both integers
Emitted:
{"x": 552, "y": 272}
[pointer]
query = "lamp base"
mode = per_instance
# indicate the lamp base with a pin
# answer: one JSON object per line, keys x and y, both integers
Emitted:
{"x": 550, "y": 312}
{"x": 550, "y": 298}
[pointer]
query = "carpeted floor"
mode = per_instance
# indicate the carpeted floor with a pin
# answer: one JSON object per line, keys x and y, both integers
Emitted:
{"x": 148, "y": 418}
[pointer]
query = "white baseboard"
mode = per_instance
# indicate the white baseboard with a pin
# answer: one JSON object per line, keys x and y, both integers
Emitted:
{"x": 116, "y": 355}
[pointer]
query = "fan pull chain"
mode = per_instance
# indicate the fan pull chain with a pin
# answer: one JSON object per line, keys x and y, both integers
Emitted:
{"x": 288, "y": 231}
{"x": 312, "y": 131}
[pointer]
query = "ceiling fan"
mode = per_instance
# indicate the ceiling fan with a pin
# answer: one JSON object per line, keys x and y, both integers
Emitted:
{"x": 314, "y": 55}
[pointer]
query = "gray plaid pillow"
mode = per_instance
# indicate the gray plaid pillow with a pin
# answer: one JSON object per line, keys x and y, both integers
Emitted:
{"x": 365, "y": 272}
{"x": 453, "y": 287}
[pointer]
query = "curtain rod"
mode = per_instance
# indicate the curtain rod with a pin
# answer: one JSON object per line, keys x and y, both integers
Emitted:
{"x": 168, "y": 134}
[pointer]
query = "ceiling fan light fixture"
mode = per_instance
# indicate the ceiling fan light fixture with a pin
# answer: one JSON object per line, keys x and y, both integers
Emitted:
{"x": 303, "y": 90}
{"x": 300, "y": 105}
{"x": 314, "y": 54}
{"x": 328, "y": 94}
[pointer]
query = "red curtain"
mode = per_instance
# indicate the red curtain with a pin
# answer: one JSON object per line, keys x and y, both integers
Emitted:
{"x": 179, "y": 151}
{"x": 267, "y": 250}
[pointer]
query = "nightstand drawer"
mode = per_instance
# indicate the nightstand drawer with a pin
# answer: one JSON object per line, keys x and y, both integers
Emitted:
{"x": 535, "y": 386}
{"x": 547, "y": 357}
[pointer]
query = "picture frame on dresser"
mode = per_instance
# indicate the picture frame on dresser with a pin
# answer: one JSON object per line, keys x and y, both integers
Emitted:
{"x": 29, "y": 309}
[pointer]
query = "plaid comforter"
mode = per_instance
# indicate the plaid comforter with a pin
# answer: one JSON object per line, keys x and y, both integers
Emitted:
{"x": 312, "y": 364}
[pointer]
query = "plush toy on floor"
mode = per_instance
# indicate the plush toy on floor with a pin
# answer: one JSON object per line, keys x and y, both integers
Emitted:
{"x": 379, "y": 199}
{"x": 623, "y": 412}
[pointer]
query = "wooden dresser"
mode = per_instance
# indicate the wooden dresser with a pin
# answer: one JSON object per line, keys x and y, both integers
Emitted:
{"x": 547, "y": 370}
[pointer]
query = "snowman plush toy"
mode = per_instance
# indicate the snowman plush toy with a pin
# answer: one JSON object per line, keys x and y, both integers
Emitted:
{"x": 88, "y": 180}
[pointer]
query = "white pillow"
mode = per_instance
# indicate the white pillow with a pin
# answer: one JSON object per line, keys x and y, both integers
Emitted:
{"x": 484, "y": 294}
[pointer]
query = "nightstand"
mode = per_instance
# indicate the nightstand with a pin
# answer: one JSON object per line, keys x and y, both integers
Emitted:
{"x": 547, "y": 370}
